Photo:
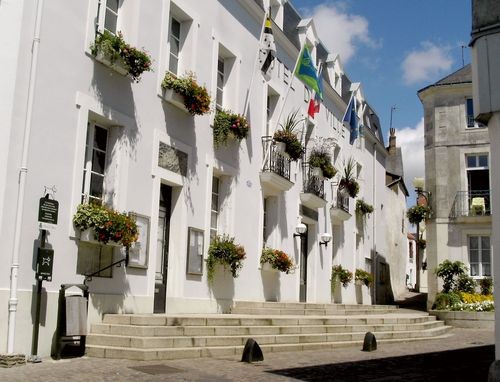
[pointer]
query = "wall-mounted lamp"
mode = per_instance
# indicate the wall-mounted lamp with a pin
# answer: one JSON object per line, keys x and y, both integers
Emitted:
{"x": 325, "y": 239}
{"x": 300, "y": 230}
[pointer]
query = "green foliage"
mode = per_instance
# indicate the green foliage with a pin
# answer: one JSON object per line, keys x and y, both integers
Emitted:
{"x": 348, "y": 181}
{"x": 486, "y": 286}
{"x": 227, "y": 125}
{"x": 363, "y": 208}
{"x": 445, "y": 300}
{"x": 449, "y": 271}
{"x": 416, "y": 214}
{"x": 109, "y": 225}
{"x": 278, "y": 259}
{"x": 196, "y": 98}
{"x": 113, "y": 47}
{"x": 421, "y": 243}
{"x": 224, "y": 251}
{"x": 321, "y": 159}
{"x": 287, "y": 135}
{"x": 364, "y": 276}
{"x": 465, "y": 284}
{"x": 340, "y": 274}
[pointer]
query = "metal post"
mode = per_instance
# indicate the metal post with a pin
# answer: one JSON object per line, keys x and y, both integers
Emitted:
{"x": 417, "y": 259}
{"x": 36, "y": 326}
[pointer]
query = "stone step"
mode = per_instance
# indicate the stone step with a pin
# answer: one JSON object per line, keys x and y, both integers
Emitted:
{"x": 311, "y": 312}
{"x": 249, "y": 320}
{"x": 219, "y": 351}
{"x": 162, "y": 331}
{"x": 305, "y": 305}
{"x": 239, "y": 340}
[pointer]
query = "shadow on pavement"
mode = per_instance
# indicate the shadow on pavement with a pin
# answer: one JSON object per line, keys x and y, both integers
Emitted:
{"x": 469, "y": 364}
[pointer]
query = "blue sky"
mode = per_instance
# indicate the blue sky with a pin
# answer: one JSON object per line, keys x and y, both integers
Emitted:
{"x": 394, "y": 48}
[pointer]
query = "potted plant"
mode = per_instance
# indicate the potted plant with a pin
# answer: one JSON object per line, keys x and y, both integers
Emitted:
{"x": 276, "y": 259}
{"x": 229, "y": 125}
{"x": 286, "y": 134}
{"x": 421, "y": 244}
{"x": 113, "y": 51}
{"x": 363, "y": 277}
{"x": 416, "y": 214}
{"x": 105, "y": 225}
{"x": 340, "y": 274}
{"x": 322, "y": 160}
{"x": 363, "y": 208}
{"x": 195, "y": 98}
{"x": 348, "y": 182}
{"x": 224, "y": 251}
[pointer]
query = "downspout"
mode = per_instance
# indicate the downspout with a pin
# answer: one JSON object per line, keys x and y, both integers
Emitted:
{"x": 374, "y": 252}
{"x": 23, "y": 172}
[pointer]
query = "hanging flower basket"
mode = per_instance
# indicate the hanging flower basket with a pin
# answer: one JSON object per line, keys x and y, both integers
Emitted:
{"x": 229, "y": 125}
{"x": 105, "y": 226}
{"x": 276, "y": 260}
{"x": 416, "y": 214}
{"x": 184, "y": 92}
{"x": 224, "y": 251}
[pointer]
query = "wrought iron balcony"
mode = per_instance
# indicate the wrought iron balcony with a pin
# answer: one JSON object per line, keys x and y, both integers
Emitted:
{"x": 471, "y": 203}
{"x": 276, "y": 162}
{"x": 342, "y": 201}
{"x": 313, "y": 184}
{"x": 340, "y": 208}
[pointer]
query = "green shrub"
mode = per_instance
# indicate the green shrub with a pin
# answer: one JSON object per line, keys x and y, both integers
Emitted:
{"x": 465, "y": 284}
{"x": 486, "y": 286}
{"x": 363, "y": 208}
{"x": 444, "y": 301}
{"x": 287, "y": 135}
{"x": 449, "y": 271}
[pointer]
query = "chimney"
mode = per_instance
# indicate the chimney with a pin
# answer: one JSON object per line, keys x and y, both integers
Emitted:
{"x": 392, "y": 141}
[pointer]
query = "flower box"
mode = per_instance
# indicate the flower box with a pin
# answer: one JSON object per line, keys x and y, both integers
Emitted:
{"x": 317, "y": 172}
{"x": 174, "y": 98}
{"x": 118, "y": 65}
{"x": 89, "y": 236}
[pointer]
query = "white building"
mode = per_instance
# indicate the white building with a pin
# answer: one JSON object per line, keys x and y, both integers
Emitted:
{"x": 59, "y": 105}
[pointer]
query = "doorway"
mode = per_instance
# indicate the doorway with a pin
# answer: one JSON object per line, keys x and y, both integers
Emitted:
{"x": 303, "y": 266}
{"x": 164, "y": 212}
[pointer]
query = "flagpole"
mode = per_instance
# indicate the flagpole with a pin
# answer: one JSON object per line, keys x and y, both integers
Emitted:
{"x": 268, "y": 149}
{"x": 247, "y": 100}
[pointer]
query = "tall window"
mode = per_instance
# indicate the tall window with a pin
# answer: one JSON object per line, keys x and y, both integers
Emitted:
{"x": 175, "y": 43}
{"x": 215, "y": 207}
{"x": 220, "y": 83}
{"x": 264, "y": 225}
{"x": 478, "y": 177}
{"x": 479, "y": 256}
{"x": 470, "y": 115}
{"x": 111, "y": 15}
{"x": 95, "y": 163}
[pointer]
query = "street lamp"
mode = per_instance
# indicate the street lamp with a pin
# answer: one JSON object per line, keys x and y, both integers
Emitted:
{"x": 325, "y": 238}
{"x": 300, "y": 230}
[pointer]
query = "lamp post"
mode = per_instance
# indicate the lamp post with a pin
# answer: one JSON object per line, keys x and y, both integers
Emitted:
{"x": 422, "y": 199}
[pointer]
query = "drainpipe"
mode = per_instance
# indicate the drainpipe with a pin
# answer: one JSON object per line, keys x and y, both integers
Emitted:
{"x": 374, "y": 252}
{"x": 23, "y": 172}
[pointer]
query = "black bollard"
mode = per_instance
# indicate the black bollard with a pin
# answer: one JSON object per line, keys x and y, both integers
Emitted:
{"x": 252, "y": 352}
{"x": 370, "y": 342}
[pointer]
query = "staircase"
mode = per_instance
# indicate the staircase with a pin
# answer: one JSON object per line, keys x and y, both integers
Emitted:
{"x": 275, "y": 326}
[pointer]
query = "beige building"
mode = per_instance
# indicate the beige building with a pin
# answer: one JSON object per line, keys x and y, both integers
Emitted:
{"x": 457, "y": 176}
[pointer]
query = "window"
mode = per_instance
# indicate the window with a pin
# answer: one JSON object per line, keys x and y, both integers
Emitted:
{"x": 410, "y": 250}
{"x": 470, "y": 115}
{"x": 111, "y": 15}
{"x": 94, "y": 166}
{"x": 479, "y": 256}
{"x": 175, "y": 44}
{"x": 220, "y": 83}
{"x": 215, "y": 207}
{"x": 478, "y": 180}
{"x": 264, "y": 225}
{"x": 272, "y": 102}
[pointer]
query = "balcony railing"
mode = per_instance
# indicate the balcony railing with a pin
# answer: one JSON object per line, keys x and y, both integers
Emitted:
{"x": 275, "y": 162}
{"x": 471, "y": 203}
{"x": 342, "y": 201}
{"x": 313, "y": 184}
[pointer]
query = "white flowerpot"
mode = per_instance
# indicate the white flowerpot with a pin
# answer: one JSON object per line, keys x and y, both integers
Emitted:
{"x": 174, "y": 98}
{"x": 117, "y": 65}
{"x": 280, "y": 147}
{"x": 317, "y": 172}
{"x": 268, "y": 267}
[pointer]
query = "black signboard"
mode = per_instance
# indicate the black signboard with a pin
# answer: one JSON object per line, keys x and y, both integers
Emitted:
{"x": 44, "y": 264}
{"x": 47, "y": 211}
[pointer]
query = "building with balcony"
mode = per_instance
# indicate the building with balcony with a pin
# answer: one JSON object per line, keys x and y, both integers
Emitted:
{"x": 457, "y": 175}
{"x": 83, "y": 126}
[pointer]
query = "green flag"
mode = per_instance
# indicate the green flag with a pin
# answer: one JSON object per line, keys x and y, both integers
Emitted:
{"x": 306, "y": 72}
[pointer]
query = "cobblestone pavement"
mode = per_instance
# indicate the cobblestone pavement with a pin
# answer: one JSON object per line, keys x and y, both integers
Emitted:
{"x": 464, "y": 356}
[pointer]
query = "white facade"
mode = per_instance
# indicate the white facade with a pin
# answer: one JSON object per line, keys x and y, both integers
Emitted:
{"x": 72, "y": 94}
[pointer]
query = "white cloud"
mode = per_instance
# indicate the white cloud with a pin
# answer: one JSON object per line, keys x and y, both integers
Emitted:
{"x": 411, "y": 141}
{"x": 341, "y": 32}
{"x": 426, "y": 63}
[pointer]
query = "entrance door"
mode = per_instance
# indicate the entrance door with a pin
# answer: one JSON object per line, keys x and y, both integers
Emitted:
{"x": 303, "y": 267}
{"x": 162, "y": 248}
